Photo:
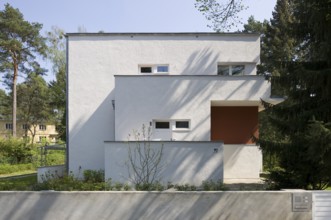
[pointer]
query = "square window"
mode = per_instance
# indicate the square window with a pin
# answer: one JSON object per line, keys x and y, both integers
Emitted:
{"x": 146, "y": 69}
{"x": 237, "y": 70}
{"x": 25, "y": 127}
{"x": 162, "y": 124}
{"x": 183, "y": 124}
{"x": 162, "y": 69}
{"x": 223, "y": 70}
{"x": 42, "y": 127}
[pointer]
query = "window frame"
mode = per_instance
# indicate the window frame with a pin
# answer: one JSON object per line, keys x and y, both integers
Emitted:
{"x": 175, "y": 128}
{"x": 9, "y": 126}
{"x": 230, "y": 68}
{"x": 162, "y": 121}
{"x": 42, "y": 127}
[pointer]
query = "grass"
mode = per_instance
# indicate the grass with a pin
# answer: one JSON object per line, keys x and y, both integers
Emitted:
{"x": 18, "y": 183}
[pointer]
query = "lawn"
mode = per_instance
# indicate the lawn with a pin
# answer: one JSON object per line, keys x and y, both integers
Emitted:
{"x": 18, "y": 183}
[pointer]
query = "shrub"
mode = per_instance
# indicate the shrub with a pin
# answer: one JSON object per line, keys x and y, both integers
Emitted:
{"x": 211, "y": 185}
{"x": 185, "y": 187}
{"x": 94, "y": 176}
{"x": 14, "y": 151}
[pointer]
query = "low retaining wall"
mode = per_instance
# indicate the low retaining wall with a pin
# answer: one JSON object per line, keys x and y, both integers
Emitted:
{"x": 148, "y": 205}
{"x": 182, "y": 161}
{"x": 49, "y": 171}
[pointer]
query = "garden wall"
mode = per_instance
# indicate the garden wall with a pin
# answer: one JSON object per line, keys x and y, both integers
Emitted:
{"x": 149, "y": 205}
{"x": 182, "y": 161}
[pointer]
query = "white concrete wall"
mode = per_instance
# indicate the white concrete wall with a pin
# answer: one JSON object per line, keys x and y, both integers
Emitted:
{"x": 94, "y": 59}
{"x": 140, "y": 100}
{"x": 149, "y": 205}
{"x": 182, "y": 162}
{"x": 45, "y": 173}
{"x": 242, "y": 163}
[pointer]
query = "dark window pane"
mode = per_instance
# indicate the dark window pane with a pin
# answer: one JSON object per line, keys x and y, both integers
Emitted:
{"x": 162, "y": 125}
{"x": 182, "y": 124}
{"x": 238, "y": 70}
{"x": 145, "y": 69}
{"x": 222, "y": 70}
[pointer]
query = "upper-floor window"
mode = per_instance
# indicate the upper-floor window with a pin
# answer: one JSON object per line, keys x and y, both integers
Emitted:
{"x": 25, "y": 126}
{"x": 230, "y": 70}
{"x": 9, "y": 126}
{"x": 154, "y": 68}
{"x": 42, "y": 127}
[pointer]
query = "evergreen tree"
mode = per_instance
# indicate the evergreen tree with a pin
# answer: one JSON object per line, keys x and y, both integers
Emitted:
{"x": 19, "y": 42}
{"x": 279, "y": 43}
{"x": 302, "y": 123}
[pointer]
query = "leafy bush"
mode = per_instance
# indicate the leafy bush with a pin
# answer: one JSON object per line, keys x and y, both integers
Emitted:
{"x": 155, "y": 186}
{"x": 211, "y": 185}
{"x": 95, "y": 176}
{"x": 93, "y": 181}
{"x": 185, "y": 187}
{"x": 15, "y": 151}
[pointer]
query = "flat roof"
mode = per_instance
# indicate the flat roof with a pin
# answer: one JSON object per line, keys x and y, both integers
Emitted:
{"x": 164, "y": 34}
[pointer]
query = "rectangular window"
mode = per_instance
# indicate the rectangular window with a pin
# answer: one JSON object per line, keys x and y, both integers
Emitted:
{"x": 146, "y": 69}
{"x": 9, "y": 126}
{"x": 162, "y": 69}
{"x": 42, "y": 127}
{"x": 25, "y": 127}
{"x": 162, "y": 124}
{"x": 182, "y": 125}
{"x": 231, "y": 70}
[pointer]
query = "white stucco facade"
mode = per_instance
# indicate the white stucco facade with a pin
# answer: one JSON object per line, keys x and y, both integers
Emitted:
{"x": 108, "y": 96}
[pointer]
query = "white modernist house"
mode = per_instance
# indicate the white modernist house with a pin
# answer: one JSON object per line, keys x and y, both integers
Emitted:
{"x": 198, "y": 92}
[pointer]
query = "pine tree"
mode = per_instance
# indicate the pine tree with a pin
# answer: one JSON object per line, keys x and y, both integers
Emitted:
{"x": 19, "y": 42}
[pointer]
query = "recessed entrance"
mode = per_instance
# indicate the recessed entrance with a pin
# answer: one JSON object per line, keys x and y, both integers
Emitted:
{"x": 234, "y": 124}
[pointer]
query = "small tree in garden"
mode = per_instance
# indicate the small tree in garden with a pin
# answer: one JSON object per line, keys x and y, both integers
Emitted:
{"x": 144, "y": 160}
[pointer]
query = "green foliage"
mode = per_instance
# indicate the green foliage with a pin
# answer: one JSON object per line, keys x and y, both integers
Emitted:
{"x": 57, "y": 46}
{"x": 223, "y": 15}
{"x": 15, "y": 168}
{"x": 4, "y": 105}
{"x": 33, "y": 102}
{"x": 92, "y": 181}
{"x": 20, "y": 42}
{"x": 298, "y": 130}
{"x": 18, "y": 183}
{"x": 96, "y": 176}
{"x": 15, "y": 151}
{"x": 211, "y": 185}
{"x": 155, "y": 186}
{"x": 185, "y": 187}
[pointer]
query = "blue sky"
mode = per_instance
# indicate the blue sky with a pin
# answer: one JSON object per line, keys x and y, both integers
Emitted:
{"x": 127, "y": 15}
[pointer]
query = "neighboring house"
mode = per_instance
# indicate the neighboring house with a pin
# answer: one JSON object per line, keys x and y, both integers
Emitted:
{"x": 42, "y": 132}
{"x": 189, "y": 87}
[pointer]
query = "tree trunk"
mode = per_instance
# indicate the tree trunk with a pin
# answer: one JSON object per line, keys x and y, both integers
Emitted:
{"x": 14, "y": 98}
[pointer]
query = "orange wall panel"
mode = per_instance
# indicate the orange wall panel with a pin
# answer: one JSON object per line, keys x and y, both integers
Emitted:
{"x": 234, "y": 124}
